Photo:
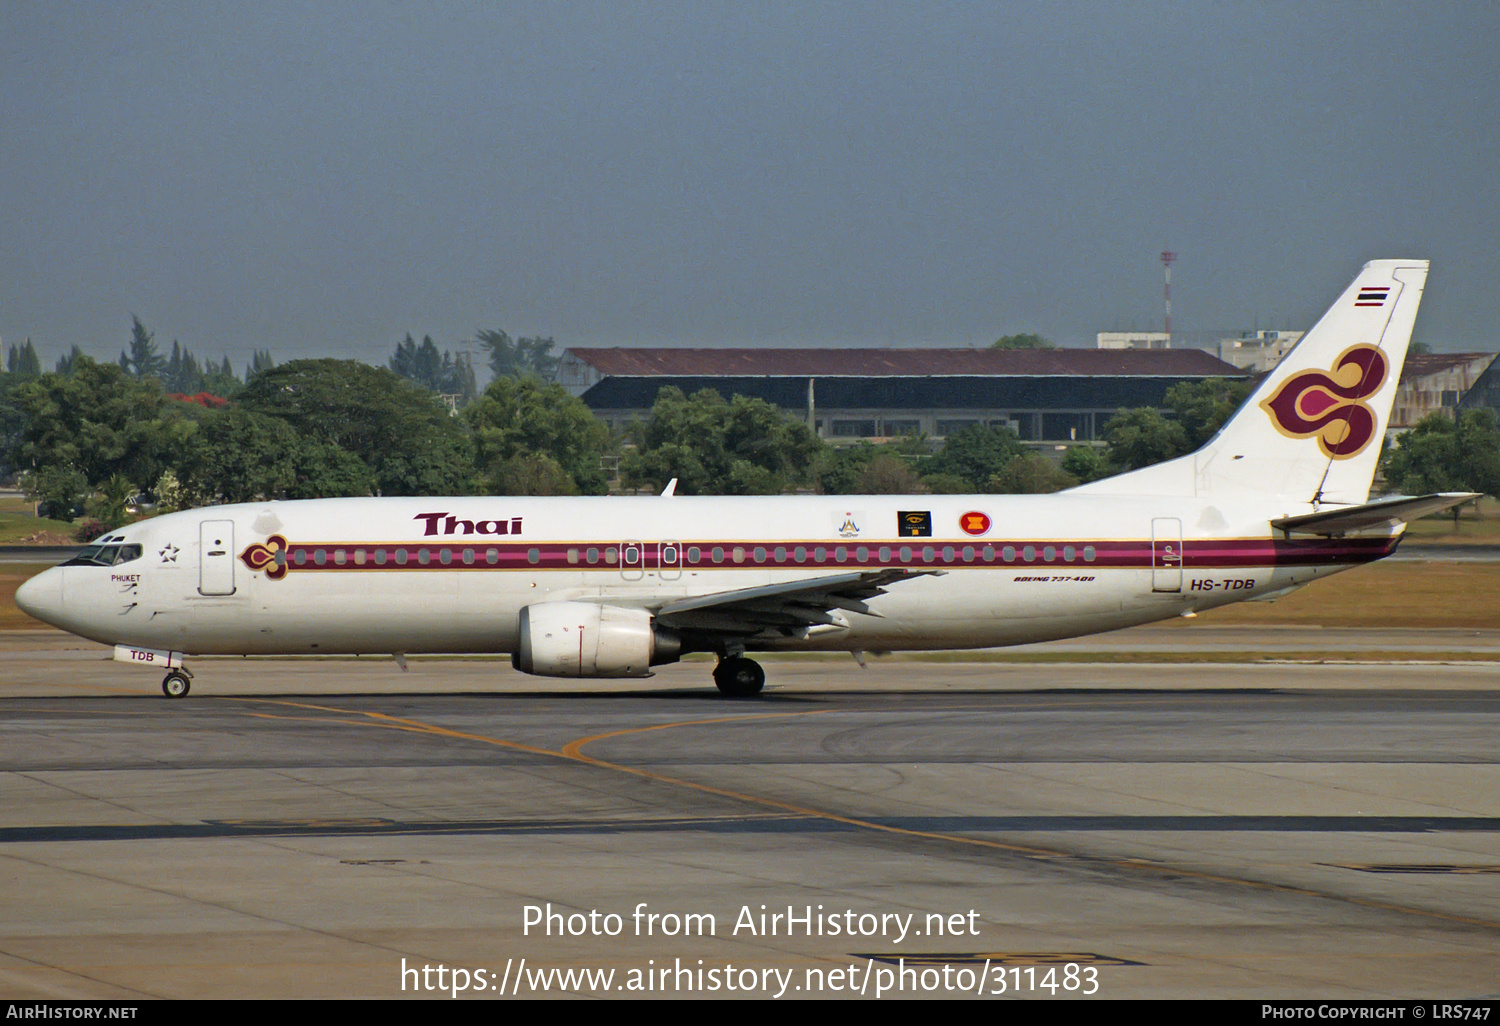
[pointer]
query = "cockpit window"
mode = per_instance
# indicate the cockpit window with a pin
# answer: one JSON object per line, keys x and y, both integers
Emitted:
{"x": 105, "y": 555}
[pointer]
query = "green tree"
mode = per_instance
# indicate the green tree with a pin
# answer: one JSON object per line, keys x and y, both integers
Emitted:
{"x": 519, "y": 357}
{"x": 237, "y": 455}
{"x": 1025, "y": 340}
{"x": 845, "y": 470}
{"x": 1031, "y": 473}
{"x": 1085, "y": 463}
{"x": 99, "y": 421}
{"x": 12, "y": 422}
{"x": 713, "y": 447}
{"x": 532, "y": 473}
{"x": 111, "y": 505}
{"x": 888, "y": 474}
{"x": 401, "y": 431}
{"x": 976, "y": 454}
{"x": 946, "y": 484}
{"x": 182, "y": 373}
{"x": 1443, "y": 454}
{"x": 259, "y": 363}
{"x": 66, "y": 361}
{"x": 142, "y": 359}
{"x": 23, "y": 362}
{"x": 1202, "y": 407}
{"x": 441, "y": 372}
{"x": 220, "y": 380}
{"x": 59, "y": 490}
{"x": 1142, "y": 437}
{"x": 521, "y": 418}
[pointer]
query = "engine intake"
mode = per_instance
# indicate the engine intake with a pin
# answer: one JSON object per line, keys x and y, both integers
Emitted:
{"x": 585, "y": 639}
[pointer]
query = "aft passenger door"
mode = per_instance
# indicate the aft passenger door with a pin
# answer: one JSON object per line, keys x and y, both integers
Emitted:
{"x": 1166, "y": 554}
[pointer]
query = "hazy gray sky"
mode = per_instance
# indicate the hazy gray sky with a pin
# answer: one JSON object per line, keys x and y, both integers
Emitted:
{"x": 322, "y": 178}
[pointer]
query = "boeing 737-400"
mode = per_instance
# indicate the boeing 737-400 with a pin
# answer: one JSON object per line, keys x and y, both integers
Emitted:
{"x": 610, "y": 587}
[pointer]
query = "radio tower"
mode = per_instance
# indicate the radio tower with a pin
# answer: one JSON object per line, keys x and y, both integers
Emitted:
{"x": 1166, "y": 291}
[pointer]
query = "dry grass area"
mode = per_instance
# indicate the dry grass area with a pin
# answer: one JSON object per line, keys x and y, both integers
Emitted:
{"x": 1405, "y": 594}
{"x": 1473, "y": 528}
{"x": 12, "y": 575}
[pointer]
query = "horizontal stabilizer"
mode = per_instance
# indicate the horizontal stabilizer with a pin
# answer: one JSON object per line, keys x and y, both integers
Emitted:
{"x": 1381, "y": 513}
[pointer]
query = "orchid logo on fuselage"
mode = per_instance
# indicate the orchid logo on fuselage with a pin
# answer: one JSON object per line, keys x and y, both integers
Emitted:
{"x": 1331, "y": 406}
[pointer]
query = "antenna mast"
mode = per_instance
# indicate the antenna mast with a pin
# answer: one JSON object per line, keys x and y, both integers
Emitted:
{"x": 1166, "y": 292}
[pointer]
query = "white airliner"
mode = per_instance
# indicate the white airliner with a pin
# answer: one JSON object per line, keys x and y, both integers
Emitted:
{"x": 609, "y": 587}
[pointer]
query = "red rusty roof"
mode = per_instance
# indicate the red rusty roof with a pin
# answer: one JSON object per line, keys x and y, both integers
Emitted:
{"x": 1420, "y": 365}
{"x": 673, "y": 362}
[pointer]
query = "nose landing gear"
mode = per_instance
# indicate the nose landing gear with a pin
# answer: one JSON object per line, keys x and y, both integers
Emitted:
{"x": 176, "y": 683}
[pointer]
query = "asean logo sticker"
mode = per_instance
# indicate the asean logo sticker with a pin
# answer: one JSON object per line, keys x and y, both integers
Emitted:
{"x": 974, "y": 522}
{"x": 1330, "y": 406}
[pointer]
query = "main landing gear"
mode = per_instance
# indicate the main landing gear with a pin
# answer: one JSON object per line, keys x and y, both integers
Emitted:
{"x": 738, "y": 677}
{"x": 176, "y": 683}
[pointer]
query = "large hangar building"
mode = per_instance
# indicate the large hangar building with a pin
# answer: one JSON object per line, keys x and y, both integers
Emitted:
{"x": 1045, "y": 395}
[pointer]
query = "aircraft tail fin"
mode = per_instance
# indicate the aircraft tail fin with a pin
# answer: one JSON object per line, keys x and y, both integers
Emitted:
{"x": 1312, "y": 431}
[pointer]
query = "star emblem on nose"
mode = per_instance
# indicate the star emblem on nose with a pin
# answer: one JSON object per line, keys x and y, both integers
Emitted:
{"x": 169, "y": 554}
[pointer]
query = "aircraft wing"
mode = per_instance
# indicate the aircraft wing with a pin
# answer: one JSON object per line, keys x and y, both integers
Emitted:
{"x": 1380, "y": 513}
{"x": 788, "y": 607}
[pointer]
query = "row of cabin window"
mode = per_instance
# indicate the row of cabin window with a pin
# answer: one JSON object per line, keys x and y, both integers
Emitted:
{"x": 669, "y": 555}
{"x": 399, "y": 557}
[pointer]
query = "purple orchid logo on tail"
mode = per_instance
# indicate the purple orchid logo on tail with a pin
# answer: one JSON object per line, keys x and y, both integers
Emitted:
{"x": 1331, "y": 406}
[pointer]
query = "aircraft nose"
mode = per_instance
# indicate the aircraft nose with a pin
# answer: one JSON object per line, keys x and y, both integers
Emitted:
{"x": 42, "y": 596}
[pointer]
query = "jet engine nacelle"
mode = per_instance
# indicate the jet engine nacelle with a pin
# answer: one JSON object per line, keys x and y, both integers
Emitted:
{"x": 585, "y": 639}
